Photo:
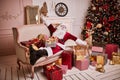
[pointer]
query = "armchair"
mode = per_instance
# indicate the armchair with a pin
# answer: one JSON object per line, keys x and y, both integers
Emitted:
{"x": 25, "y": 33}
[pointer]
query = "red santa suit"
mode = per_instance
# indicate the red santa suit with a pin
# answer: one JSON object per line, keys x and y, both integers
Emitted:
{"x": 61, "y": 33}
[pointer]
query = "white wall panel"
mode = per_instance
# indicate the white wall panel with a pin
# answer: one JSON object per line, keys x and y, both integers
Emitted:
{"x": 76, "y": 10}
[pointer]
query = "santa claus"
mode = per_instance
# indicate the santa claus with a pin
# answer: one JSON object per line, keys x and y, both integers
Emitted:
{"x": 62, "y": 35}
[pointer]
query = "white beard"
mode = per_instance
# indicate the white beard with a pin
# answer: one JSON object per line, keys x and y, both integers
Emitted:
{"x": 59, "y": 33}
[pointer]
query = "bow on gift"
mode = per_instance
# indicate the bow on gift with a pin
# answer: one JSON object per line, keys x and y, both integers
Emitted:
{"x": 51, "y": 66}
{"x": 115, "y": 58}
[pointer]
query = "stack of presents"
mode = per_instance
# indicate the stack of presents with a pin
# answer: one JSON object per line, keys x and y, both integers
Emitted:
{"x": 79, "y": 59}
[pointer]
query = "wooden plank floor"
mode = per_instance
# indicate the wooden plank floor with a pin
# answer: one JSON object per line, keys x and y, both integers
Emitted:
{"x": 9, "y": 71}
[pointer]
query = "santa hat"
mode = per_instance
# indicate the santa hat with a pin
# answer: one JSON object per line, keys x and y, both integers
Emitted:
{"x": 62, "y": 26}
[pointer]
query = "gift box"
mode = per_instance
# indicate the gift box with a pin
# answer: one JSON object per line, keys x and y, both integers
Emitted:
{"x": 67, "y": 58}
{"x": 82, "y": 64}
{"x": 51, "y": 42}
{"x": 64, "y": 68}
{"x": 93, "y": 63}
{"x": 79, "y": 57}
{"x": 55, "y": 73}
{"x": 80, "y": 50}
{"x": 97, "y": 49}
{"x": 109, "y": 48}
{"x": 93, "y": 60}
{"x": 98, "y": 57}
{"x": 116, "y": 58}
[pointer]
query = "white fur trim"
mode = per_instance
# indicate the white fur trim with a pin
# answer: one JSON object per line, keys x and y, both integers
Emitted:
{"x": 49, "y": 50}
{"x": 61, "y": 45}
{"x": 47, "y": 23}
{"x": 81, "y": 42}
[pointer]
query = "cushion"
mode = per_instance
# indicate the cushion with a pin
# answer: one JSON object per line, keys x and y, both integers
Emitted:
{"x": 29, "y": 42}
{"x": 36, "y": 41}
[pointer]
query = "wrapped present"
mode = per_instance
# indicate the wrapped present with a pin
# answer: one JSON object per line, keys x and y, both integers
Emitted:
{"x": 67, "y": 58}
{"x": 54, "y": 73}
{"x": 97, "y": 49}
{"x": 51, "y": 42}
{"x": 109, "y": 48}
{"x": 80, "y": 50}
{"x": 59, "y": 61}
{"x": 115, "y": 58}
{"x": 98, "y": 58}
{"x": 79, "y": 57}
{"x": 64, "y": 68}
{"x": 93, "y": 63}
{"x": 82, "y": 64}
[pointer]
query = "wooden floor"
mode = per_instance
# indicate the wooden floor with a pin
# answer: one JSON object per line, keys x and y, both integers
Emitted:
{"x": 9, "y": 71}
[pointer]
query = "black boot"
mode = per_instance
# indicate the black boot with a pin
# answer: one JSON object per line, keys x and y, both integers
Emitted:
{"x": 35, "y": 55}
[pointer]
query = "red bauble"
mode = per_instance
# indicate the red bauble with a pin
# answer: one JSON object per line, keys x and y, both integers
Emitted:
{"x": 105, "y": 6}
{"x": 105, "y": 20}
{"x": 107, "y": 29}
{"x": 111, "y": 18}
{"x": 88, "y": 25}
{"x": 86, "y": 35}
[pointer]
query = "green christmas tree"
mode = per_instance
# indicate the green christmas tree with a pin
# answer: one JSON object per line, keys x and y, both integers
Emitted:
{"x": 103, "y": 18}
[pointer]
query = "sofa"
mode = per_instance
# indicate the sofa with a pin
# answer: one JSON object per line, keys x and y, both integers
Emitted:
{"x": 25, "y": 33}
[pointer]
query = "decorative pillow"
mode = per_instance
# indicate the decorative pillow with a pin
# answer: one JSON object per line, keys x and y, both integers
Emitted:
{"x": 39, "y": 41}
{"x": 25, "y": 43}
{"x": 29, "y": 42}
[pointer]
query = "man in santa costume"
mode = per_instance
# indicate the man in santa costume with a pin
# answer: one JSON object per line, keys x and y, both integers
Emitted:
{"x": 61, "y": 33}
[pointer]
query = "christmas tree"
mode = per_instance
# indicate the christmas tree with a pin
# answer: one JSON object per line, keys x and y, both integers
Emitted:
{"x": 103, "y": 18}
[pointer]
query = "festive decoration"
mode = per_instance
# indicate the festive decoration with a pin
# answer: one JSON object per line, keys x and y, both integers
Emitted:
{"x": 58, "y": 62}
{"x": 100, "y": 68}
{"x": 53, "y": 72}
{"x": 43, "y": 9}
{"x": 51, "y": 42}
{"x": 104, "y": 15}
{"x": 115, "y": 58}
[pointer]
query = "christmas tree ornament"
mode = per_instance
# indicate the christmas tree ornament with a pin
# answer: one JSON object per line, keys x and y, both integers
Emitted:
{"x": 99, "y": 25}
{"x": 96, "y": 0}
{"x": 93, "y": 8}
{"x": 111, "y": 18}
{"x": 106, "y": 33}
{"x": 100, "y": 9}
{"x": 88, "y": 25}
{"x": 105, "y": 7}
